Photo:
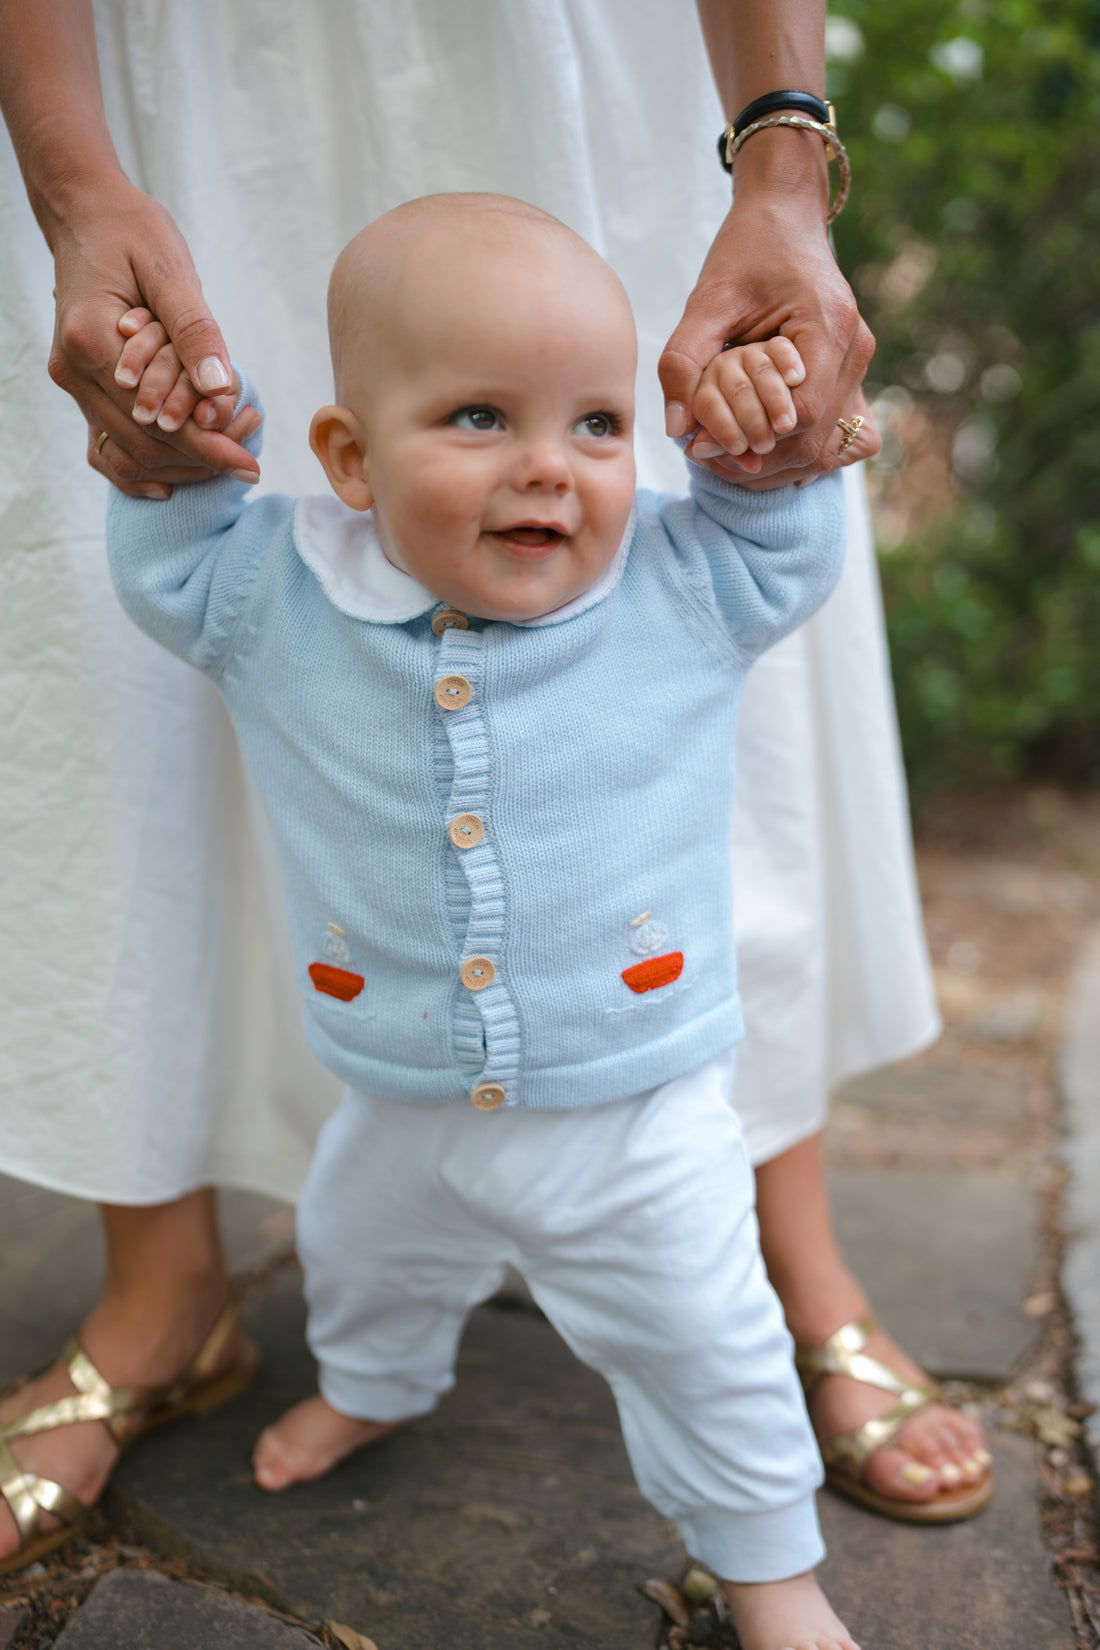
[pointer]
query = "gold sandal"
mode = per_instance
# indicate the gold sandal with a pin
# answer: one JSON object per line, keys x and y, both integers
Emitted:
{"x": 127, "y": 1412}
{"x": 845, "y": 1456}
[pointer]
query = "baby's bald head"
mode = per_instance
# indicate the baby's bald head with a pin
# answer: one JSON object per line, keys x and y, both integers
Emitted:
{"x": 404, "y": 264}
{"x": 484, "y": 359}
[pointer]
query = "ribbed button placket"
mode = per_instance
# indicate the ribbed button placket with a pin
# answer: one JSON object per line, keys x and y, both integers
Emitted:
{"x": 462, "y": 653}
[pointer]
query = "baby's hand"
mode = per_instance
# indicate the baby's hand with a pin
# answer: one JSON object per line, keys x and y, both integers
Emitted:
{"x": 165, "y": 395}
{"x": 744, "y": 399}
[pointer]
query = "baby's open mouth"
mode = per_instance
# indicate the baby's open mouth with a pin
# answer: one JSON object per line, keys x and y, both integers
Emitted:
{"x": 533, "y": 536}
{"x": 528, "y": 537}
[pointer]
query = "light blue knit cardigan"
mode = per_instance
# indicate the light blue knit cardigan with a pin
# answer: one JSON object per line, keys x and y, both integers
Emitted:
{"x": 597, "y": 753}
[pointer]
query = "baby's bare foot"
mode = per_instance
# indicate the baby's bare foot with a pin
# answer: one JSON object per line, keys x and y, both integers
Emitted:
{"x": 308, "y": 1441}
{"x": 785, "y": 1615}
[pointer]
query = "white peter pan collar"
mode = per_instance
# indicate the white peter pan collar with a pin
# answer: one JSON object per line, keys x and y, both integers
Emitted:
{"x": 341, "y": 548}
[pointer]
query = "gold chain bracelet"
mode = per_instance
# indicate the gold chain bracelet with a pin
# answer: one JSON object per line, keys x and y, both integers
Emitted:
{"x": 828, "y": 135}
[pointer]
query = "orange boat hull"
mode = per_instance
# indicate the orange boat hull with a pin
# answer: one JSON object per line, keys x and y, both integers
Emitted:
{"x": 655, "y": 972}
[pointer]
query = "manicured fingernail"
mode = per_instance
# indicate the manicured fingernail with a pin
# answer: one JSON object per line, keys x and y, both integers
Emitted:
{"x": 211, "y": 376}
{"x": 677, "y": 420}
{"x": 916, "y": 1473}
{"x": 982, "y": 1457}
{"x": 157, "y": 492}
{"x": 249, "y": 477}
{"x": 950, "y": 1473}
{"x": 143, "y": 415}
{"x": 127, "y": 376}
{"x": 168, "y": 421}
{"x": 702, "y": 447}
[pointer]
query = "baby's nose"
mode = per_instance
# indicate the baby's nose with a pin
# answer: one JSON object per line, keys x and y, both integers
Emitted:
{"x": 544, "y": 465}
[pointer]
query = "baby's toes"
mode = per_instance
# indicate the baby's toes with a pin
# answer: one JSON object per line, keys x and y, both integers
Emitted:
{"x": 273, "y": 1465}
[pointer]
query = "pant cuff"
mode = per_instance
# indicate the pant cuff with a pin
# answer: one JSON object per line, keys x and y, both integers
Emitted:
{"x": 373, "y": 1398}
{"x": 770, "y": 1545}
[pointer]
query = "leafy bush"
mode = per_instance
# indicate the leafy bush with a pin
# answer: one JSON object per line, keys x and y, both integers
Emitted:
{"x": 973, "y": 241}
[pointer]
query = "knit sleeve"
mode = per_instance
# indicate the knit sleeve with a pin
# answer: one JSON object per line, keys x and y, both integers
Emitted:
{"x": 764, "y": 561}
{"x": 184, "y": 568}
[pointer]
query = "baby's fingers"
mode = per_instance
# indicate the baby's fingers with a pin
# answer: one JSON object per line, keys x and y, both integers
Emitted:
{"x": 776, "y": 368}
{"x": 732, "y": 415}
{"x": 140, "y": 348}
{"x": 179, "y": 403}
{"x": 158, "y": 381}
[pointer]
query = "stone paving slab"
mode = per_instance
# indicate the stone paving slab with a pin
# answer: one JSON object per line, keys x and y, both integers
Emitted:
{"x": 51, "y": 1263}
{"x": 948, "y": 1259}
{"x": 1080, "y": 1087}
{"x": 981, "y": 1585}
{"x": 938, "y": 1086}
{"x": 10, "y": 1623}
{"x": 140, "y": 1610}
{"x": 514, "y": 1500}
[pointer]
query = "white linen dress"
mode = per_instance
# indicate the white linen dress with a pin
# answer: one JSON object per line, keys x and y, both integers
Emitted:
{"x": 150, "y": 1038}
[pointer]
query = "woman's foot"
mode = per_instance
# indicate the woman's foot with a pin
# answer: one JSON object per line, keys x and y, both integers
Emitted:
{"x": 308, "y": 1441}
{"x": 938, "y": 1448}
{"x": 785, "y": 1615}
{"x": 81, "y": 1455}
{"x": 165, "y": 1288}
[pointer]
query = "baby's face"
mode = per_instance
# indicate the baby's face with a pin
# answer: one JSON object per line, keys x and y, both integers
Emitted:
{"x": 497, "y": 419}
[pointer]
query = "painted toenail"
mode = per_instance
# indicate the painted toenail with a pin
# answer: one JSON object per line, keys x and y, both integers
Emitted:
{"x": 916, "y": 1473}
{"x": 950, "y": 1473}
{"x": 982, "y": 1457}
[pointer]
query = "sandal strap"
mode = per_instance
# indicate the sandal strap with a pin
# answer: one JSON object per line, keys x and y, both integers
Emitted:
{"x": 843, "y": 1354}
{"x": 28, "y": 1496}
{"x": 122, "y": 1408}
{"x": 850, "y": 1450}
{"x": 94, "y": 1400}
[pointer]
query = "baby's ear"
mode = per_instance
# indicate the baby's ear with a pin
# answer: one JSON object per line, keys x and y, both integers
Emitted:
{"x": 337, "y": 438}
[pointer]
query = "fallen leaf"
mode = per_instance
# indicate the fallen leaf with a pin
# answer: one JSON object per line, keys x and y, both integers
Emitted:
{"x": 1078, "y": 1483}
{"x": 1054, "y": 1427}
{"x": 348, "y": 1637}
{"x": 539, "y": 1618}
{"x": 671, "y": 1601}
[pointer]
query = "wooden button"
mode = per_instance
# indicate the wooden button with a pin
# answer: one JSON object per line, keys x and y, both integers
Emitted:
{"x": 465, "y": 830}
{"x": 476, "y": 973}
{"x": 452, "y": 692}
{"x": 449, "y": 619}
{"x": 488, "y": 1096}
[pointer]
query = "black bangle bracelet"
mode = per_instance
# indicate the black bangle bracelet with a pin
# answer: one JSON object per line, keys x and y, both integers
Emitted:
{"x": 804, "y": 103}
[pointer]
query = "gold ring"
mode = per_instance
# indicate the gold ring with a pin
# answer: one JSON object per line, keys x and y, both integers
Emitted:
{"x": 851, "y": 428}
{"x": 99, "y": 443}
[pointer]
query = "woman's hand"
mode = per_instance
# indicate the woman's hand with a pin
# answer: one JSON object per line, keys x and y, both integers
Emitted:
{"x": 124, "y": 251}
{"x": 771, "y": 271}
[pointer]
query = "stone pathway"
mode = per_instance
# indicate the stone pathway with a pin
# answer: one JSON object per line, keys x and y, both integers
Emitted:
{"x": 510, "y": 1515}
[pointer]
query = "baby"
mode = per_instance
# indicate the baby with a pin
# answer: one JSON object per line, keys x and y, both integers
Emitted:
{"x": 489, "y": 695}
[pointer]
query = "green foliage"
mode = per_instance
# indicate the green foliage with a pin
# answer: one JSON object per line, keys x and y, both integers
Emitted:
{"x": 973, "y": 239}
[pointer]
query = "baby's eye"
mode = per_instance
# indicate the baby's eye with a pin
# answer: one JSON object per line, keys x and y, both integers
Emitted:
{"x": 598, "y": 424}
{"x": 476, "y": 418}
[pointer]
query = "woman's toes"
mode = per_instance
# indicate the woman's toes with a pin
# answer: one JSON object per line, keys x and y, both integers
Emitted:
{"x": 894, "y": 1473}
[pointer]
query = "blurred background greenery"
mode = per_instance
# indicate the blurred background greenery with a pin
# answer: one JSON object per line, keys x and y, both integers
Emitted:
{"x": 973, "y": 243}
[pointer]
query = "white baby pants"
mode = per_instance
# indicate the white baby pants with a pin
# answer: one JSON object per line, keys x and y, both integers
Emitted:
{"x": 633, "y": 1226}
